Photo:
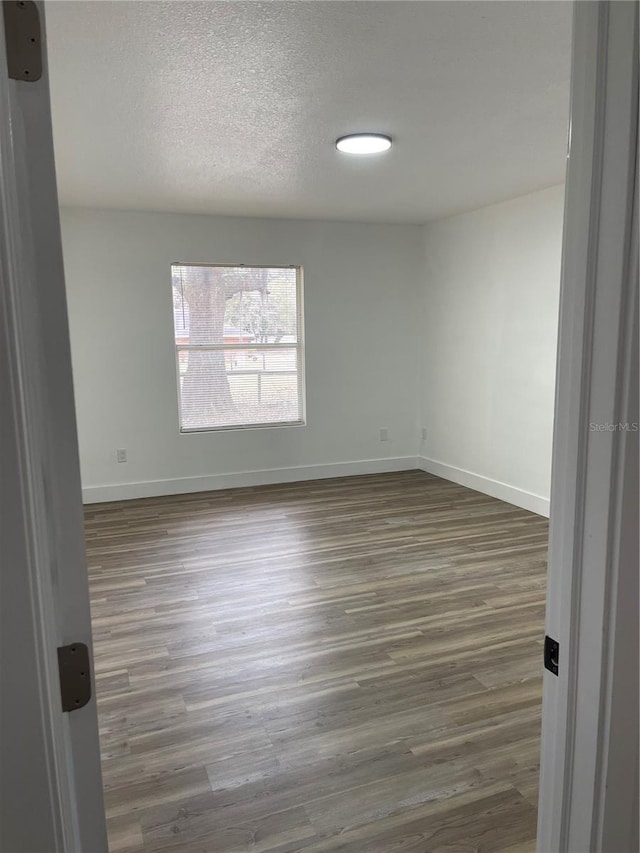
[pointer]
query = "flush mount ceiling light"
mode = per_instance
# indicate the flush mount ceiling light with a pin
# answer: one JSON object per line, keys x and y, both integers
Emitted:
{"x": 364, "y": 143}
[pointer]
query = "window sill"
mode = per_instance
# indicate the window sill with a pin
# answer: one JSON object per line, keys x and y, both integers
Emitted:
{"x": 242, "y": 427}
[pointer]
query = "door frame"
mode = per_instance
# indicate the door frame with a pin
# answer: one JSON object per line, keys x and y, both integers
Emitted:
{"x": 24, "y": 596}
{"x": 593, "y": 542}
{"x": 595, "y": 366}
{"x": 50, "y": 775}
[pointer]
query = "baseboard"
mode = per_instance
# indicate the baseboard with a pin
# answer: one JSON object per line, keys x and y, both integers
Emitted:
{"x": 264, "y": 477}
{"x": 495, "y": 488}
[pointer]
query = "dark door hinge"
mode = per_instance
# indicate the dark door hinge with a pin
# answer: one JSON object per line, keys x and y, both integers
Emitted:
{"x": 75, "y": 676}
{"x": 23, "y": 39}
{"x": 551, "y": 654}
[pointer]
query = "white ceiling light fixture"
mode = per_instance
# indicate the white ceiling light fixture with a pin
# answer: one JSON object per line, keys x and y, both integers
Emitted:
{"x": 364, "y": 143}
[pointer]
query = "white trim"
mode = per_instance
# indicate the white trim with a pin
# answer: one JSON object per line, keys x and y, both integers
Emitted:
{"x": 44, "y": 580}
{"x": 298, "y": 473}
{"x": 25, "y": 537}
{"x": 261, "y": 477}
{"x": 568, "y": 456}
{"x": 487, "y": 485}
{"x": 587, "y": 472}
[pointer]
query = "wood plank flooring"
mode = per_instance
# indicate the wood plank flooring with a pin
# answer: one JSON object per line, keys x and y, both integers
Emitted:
{"x": 344, "y": 665}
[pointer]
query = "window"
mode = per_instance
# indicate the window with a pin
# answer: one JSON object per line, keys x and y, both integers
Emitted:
{"x": 239, "y": 355}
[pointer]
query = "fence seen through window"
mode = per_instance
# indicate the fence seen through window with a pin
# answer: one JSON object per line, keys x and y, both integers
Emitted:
{"x": 238, "y": 336}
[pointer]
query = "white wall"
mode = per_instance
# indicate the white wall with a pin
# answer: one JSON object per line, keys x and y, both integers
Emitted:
{"x": 490, "y": 303}
{"x": 451, "y": 327}
{"x": 362, "y": 345}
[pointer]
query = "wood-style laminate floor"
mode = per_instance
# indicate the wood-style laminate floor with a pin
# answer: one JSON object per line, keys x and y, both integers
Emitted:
{"x": 342, "y": 665}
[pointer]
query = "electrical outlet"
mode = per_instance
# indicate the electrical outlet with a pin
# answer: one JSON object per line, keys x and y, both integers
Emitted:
{"x": 424, "y": 434}
{"x": 384, "y": 434}
{"x": 121, "y": 454}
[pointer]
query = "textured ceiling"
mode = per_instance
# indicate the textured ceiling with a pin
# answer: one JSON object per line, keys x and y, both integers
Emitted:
{"x": 233, "y": 107}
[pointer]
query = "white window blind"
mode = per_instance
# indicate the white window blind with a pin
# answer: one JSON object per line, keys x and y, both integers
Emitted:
{"x": 239, "y": 353}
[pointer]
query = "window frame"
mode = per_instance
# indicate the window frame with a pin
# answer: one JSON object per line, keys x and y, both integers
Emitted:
{"x": 299, "y": 347}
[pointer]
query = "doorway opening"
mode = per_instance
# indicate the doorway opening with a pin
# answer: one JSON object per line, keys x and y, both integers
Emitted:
{"x": 324, "y": 632}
